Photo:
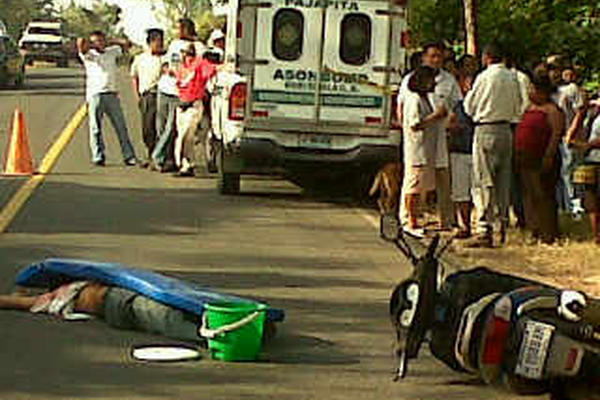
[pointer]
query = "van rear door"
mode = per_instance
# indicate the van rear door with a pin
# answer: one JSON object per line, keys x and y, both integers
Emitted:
{"x": 356, "y": 56}
{"x": 287, "y": 54}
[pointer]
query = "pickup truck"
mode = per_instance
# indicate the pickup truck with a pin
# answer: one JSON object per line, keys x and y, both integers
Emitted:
{"x": 44, "y": 41}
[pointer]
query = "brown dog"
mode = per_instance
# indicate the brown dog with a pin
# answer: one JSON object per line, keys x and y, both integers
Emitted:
{"x": 388, "y": 182}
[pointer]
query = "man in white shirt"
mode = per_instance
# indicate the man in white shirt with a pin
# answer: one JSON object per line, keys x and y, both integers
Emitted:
{"x": 101, "y": 68}
{"x": 168, "y": 95}
{"x": 146, "y": 71}
{"x": 493, "y": 103}
{"x": 447, "y": 93}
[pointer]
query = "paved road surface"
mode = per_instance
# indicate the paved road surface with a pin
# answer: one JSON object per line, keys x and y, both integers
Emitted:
{"x": 320, "y": 260}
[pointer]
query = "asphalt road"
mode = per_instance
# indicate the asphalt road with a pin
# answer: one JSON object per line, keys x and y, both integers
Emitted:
{"x": 319, "y": 259}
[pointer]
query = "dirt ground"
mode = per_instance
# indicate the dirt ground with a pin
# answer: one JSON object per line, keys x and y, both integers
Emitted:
{"x": 573, "y": 262}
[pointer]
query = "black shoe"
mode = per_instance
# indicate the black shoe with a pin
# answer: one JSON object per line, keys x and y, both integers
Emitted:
{"x": 144, "y": 164}
{"x": 130, "y": 162}
{"x": 168, "y": 168}
{"x": 99, "y": 163}
{"x": 185, "y": 173}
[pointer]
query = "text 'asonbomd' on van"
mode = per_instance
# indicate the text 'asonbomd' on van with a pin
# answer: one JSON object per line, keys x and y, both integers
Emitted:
{"x": 307, "y": 89}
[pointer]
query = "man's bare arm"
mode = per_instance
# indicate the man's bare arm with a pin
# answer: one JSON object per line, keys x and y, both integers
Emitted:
{"x": 432, "y": 118}
{"x": 557, "y": 122}
{"x": 124, "y": 43}
{"x": 576, "y": 125}
{"x": 83, "y": 45}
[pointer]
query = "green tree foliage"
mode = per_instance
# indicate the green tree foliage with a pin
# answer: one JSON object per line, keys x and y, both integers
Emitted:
{"x": 80, "y": 21}
{"x": 17, "y": 13}
{"x": 528, "y": 29}
{"x": 198, "y": 11}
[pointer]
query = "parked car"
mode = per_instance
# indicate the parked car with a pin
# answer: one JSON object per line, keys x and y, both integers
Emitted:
{"x": 12, "y": 63}
{"x": 44, "y": 41}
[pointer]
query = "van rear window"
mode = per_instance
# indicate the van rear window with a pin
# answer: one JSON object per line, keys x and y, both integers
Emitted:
{"x": 355, "y": 46}
{"x": 288, "y": 33}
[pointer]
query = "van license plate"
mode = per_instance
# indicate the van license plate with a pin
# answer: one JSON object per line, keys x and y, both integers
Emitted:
{"x": 317, "y": 141}
{"x": 534, "y": 349}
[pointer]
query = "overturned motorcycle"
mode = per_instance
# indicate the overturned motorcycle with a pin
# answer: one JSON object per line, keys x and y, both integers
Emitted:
{"x": 514, "y": 333}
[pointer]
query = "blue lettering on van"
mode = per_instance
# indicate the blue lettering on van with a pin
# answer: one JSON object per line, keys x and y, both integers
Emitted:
{"x": 311, "y": 76}
{"x": 337, "y": 4}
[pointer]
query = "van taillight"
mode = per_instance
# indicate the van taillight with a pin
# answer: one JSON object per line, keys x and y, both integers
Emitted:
{"x": 239, "y": 33}
{"x": 394, "y": 121}
{"x": 237, "y": 102}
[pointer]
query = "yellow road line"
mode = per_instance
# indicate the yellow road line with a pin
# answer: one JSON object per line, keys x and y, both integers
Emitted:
{"x": 12, "y": 208}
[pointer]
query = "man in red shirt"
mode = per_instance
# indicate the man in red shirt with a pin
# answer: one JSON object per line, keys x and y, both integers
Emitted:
{"x": 192, "y": 77}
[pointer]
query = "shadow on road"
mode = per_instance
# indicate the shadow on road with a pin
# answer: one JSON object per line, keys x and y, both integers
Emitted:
{"x": 53, "y": 93}
{"x": 75, "y": 208}
{"x": 39, "y": 76}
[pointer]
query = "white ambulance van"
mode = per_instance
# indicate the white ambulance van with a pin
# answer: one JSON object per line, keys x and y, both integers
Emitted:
{"x": 307, "y": 89}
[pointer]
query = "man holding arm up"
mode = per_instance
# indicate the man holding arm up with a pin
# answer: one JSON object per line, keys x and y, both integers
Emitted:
{"x": 99, "y": 58}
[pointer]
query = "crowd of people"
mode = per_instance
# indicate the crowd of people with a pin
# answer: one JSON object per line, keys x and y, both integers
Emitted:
{"x": 485, "y": 138}
{"x": 490, "y": 138}
{"x": 170, "y": 84}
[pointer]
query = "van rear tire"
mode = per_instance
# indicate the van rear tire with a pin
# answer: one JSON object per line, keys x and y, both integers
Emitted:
{"x": 211, "y": 152}
{"x": 228, "y": 184}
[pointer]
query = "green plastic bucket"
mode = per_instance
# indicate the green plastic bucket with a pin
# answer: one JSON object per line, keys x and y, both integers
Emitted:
{"x": 234, "y": 330}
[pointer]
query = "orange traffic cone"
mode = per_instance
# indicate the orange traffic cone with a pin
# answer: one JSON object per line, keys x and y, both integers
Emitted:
{"x": 17, "y": 160}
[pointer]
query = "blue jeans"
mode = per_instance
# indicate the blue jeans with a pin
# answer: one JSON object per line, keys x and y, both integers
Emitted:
{"x": 110, "y": 104}
{"x": 165, "y": 126}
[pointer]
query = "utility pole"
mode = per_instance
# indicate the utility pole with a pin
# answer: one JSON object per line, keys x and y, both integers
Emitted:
{"x": 471, "y": 11}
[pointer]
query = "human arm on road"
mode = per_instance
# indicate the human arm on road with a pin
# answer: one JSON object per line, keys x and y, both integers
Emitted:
{"x": 90, "y": 299}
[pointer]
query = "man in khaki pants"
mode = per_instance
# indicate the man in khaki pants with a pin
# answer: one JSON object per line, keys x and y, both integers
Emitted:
{"x": 493, "y": 103}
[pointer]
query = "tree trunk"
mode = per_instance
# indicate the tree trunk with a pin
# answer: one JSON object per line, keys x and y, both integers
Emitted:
{"x": 471, "y": 10}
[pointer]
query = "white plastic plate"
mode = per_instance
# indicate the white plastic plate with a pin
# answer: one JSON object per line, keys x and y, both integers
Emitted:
{"x": 165, "y": 353}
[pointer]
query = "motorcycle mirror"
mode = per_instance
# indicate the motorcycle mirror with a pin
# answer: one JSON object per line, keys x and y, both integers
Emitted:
{"x": 389, "y": 227}
{"x": 391, "y": 231}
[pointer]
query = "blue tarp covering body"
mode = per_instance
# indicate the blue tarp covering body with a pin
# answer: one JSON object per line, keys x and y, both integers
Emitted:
{"x": 174, "y": 292}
